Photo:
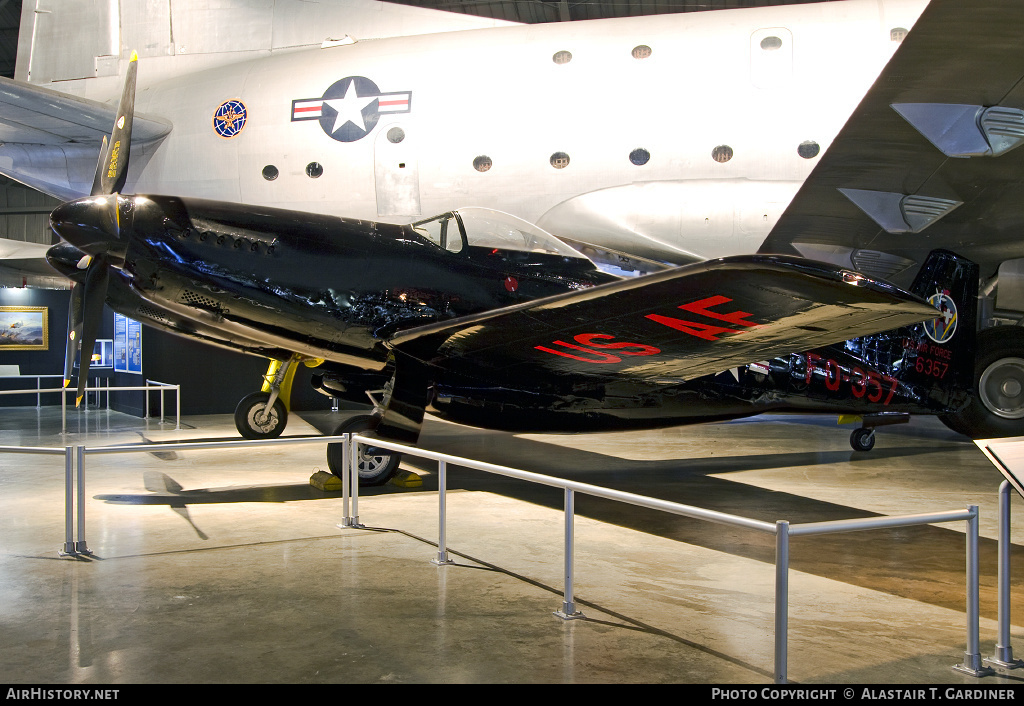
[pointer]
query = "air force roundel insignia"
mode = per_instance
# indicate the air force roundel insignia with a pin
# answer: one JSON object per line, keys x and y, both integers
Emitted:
{"x": 350, "y": 108}
{"x": 942, "y": 329}
{"x": 229, "y": 118}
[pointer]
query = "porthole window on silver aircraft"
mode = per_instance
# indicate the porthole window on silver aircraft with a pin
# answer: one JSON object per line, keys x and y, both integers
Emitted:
{"x": 641, "y": 51}
{"x": 808, "y": 149}
{"x": 559, "y": 160}
{"x": 270, "y": 172}
{"x": 396, "y": 135}
{"x": 771, "y": 43}
{"x": 314, "y": 170}
{"x": 897, "y": 34}
{"x": 722, "y": 153}
{"x": 562, "y": 57}
{"x": 639, "y": 156}
{"x": 482, "y": 163}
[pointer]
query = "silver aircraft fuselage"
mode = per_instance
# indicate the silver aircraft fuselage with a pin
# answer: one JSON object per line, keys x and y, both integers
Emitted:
{"x": 675, "y": 137}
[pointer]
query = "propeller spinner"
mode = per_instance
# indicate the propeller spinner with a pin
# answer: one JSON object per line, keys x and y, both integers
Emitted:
{"x": 92, "y": 228}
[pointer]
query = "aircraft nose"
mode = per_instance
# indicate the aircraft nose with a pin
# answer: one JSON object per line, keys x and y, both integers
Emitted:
{"x": 95, "y": 224}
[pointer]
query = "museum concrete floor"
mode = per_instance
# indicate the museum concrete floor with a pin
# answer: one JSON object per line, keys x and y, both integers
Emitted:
{"x": 228, "y": 566}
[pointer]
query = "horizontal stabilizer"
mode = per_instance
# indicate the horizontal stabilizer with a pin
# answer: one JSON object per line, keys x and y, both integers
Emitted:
{"x": 33, "y": 115}
{"x": 680, "y": 324}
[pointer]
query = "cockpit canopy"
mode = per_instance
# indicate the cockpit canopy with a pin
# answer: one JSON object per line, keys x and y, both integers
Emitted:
{"x": 484, "y": 228}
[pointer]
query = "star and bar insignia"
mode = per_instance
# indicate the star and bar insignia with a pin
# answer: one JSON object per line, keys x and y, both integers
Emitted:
{"x": 350, "y": 108}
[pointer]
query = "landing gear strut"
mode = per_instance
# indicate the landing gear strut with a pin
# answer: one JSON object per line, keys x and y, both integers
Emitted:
{"x": 264, "y": 414}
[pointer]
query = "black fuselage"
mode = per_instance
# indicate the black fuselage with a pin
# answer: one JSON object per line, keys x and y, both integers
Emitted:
{"x": 260, "y": 280}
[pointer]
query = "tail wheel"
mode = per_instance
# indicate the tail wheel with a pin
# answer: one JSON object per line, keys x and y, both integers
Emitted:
{"x": 996, "y": 408}
{"x": 374, "y": 467}
{"x": 254, "y": 421}
{"x": 863, "y": 439}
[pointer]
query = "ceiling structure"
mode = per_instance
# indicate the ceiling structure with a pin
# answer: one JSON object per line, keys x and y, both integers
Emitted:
{"x": 536, "y": 11}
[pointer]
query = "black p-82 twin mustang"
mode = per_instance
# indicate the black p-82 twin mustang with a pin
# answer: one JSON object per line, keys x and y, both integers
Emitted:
{"x": 482, "y": 319}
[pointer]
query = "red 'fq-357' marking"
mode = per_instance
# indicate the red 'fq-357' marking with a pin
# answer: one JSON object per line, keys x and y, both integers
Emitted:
{"x": 596, "y": 352}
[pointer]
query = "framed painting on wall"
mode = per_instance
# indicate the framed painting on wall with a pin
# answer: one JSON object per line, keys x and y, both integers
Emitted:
{"x": 24, "y": 328}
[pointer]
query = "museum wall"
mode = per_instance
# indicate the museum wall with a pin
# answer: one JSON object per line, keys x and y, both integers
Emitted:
{"x": 212, "y": 380}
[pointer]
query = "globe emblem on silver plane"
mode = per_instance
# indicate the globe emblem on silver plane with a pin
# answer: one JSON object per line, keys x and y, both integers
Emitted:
{"x": 350, "y": 108}
{"x": 229, "y": 118}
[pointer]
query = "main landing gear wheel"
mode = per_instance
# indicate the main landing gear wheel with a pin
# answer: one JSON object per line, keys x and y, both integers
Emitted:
{"x": 863, "y": 439}
{"x": 996, "y": 408}
{"x": 373, "y": 469}
{"x": 253, "y": 420}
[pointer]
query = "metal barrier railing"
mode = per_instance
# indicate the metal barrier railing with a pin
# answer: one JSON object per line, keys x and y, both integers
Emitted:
{"x": 782, "y": 530}
{"x": 162, "y": 386}
{"x": 149, "y": 386}
{"x": 80, "y": 546}
{"x": 37, "y": 392}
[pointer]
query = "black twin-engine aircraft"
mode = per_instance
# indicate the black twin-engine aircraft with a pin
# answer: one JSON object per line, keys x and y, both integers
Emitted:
{"x": 483, "y": 319}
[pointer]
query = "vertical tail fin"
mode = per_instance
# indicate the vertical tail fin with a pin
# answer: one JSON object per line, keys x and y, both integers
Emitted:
{"x": 940, "y": 353}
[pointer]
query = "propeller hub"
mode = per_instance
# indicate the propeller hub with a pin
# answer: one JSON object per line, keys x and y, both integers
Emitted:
{"x": 95, "y": 224}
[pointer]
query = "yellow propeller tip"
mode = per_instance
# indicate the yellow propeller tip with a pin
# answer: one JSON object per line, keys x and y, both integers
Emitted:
{"x": 78, "y": 401}
{"x": 135, "y": 56}
{"x": 66, "y": 383}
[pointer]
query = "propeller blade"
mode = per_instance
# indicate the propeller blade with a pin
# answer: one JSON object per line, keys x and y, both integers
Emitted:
{"x": 96, "y": 279}
{"x": 111, "y": 177}
{"x": 74, "y": 330}
{"x": 101, "y": 167}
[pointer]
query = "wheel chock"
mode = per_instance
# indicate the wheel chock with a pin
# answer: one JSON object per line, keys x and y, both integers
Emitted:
{"x": 406, "y": 479}
{"x": 325, "y": 481}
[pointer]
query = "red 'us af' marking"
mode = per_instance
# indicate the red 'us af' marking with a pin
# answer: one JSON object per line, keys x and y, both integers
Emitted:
{"x": 595, "y": 352}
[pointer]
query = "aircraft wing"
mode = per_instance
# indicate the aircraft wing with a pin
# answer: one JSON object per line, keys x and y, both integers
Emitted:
{"x": 679, "y": 324}
{"x": 928, "y": 159}
{"x": 34, "y": 115}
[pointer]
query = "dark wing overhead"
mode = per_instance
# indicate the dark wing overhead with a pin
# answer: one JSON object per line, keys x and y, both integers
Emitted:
{"x": 680, "y": 324}
{"x": 884, "y": 194}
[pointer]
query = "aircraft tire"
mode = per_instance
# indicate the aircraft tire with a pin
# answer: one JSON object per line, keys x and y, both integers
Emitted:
{"x": 245, "y": 417}
{"x": 862, "y": 439}
{"x": 996, "y": 408}
{"x": 373, "y": 469}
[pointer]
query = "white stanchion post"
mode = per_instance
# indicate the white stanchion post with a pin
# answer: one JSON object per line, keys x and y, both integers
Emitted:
{"x": 346, "y": 481}
{"x": 568, "y": 610}
{"x": 972, "y": 656}
{"x": 1003, "y": 656}
{"x": 442, "y": 521}
{"x": 781, "y": 601}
